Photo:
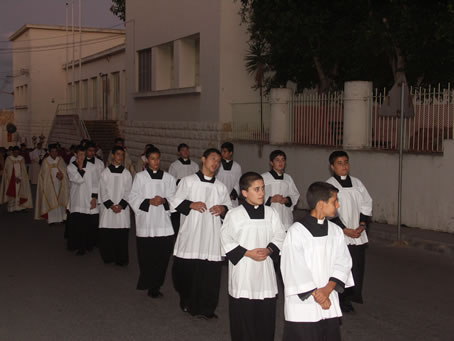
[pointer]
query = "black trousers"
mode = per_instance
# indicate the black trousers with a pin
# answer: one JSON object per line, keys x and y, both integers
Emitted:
{"x": 78, "y": 231}
{"x": 324, "y": 330}
{"x": 93, "y": 230}
{"x": 113, "y": 245}
{"x": 197, "y": 282}
{"x": 175, "y": 218}
{"x": 355, "y": 294}
{"x": 153, "y": 255}
{"x": 252, "y": 320}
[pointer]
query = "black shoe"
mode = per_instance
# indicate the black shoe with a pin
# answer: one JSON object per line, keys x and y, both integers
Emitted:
{"x": 80, "y": 252}
{"x": 121, "y": 263}
{"x": 155, "y": 293}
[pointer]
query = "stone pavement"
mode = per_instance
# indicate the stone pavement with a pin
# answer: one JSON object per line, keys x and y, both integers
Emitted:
{"x": 48, "y": 293}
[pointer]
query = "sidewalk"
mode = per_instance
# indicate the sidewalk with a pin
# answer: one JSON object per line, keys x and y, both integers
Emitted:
{"x": 433, "y": 241}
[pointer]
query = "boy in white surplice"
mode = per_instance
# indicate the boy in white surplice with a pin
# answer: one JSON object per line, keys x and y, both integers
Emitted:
{"x": 353, "y": 217}
{"x": 202, "y": 199}
{"x": 114, "y": 217}
{"x": 149, "y": 198}
{"x": 316, "y": 266}
{"x": 252, "y": 236}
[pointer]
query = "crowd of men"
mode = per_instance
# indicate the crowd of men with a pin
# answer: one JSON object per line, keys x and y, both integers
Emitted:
{"x": 203, "y": 214}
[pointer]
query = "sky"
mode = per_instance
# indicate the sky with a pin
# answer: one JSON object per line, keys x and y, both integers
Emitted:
{"x": 16, "y": 13}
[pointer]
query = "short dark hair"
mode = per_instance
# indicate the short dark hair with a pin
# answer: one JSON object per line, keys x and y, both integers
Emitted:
{"x": 15, "y": 148}
{"x": 149, "y": 145}
{"x": 337, "y": 154}
{"x": 79, "y": 148}
{"x": 152, "y": 150}
{"x": 276, "y": 153}
{"x": 90, "y": 144}
{"x": 209, "y": 151}
{"x": 247, "y": 179}
{"x": 228, "y": 146}
{"x": 319, "y": 191}
{"x": 181, "y": 146}
{"x": 116, "y": 148}
{"x": 52, "y": 146}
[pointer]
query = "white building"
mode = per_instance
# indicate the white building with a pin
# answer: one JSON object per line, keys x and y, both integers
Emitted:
{"x": 185, "y": 67}
{"x": 39, "y": 52}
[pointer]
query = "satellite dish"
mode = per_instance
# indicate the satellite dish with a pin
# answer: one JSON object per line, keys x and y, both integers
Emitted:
{"x": 391, "y": 104}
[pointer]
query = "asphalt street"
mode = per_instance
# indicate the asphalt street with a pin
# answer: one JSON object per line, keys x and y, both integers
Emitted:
{"x": 48, "y": 293}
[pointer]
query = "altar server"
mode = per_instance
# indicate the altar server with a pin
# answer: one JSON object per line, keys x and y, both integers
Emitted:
{"x": 149, "y": 197}
{"x": 82, "y": 202}
{"x": 180, "y": 168}
{"x": 52, "y": 192}
{"x": 316, "y": 266}
{"x": 98, "y": 168}
{"x": 15, "y": 185}
{"x": 353, "y": 217}
{"x": 114, "y": 217}
{"x": 280, "y": 190}
{"x": 252, "y": 234}
{"x": 229, "y": 172}
{"x": 203, "y": 200}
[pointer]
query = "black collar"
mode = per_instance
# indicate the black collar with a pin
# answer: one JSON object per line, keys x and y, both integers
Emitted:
{"x": 254, "y": 213}
{"x": 83, "y": 166}
{"x": 344, "y": 183}
{"x": 227, "y": 165}
{"x": 202, "y": 177}
{"x": 187, "y": 162}
{"x": 276, "y": 176}
{"x": 316, "y": 229}
{"x": 156, "y": 176}
{"x": 92, "y": 160}
{"x": 117, "y": 170}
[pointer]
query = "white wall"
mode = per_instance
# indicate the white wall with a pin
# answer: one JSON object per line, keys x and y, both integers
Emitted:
{"x": 427, "y": 184}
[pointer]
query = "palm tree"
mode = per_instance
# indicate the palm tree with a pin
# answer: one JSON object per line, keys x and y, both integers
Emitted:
{"x": 257, "y": 66}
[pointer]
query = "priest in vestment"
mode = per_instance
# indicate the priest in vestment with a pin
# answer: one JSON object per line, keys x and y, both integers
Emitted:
{"x": 15, "y": 186}
{"x": 52, "y": 191}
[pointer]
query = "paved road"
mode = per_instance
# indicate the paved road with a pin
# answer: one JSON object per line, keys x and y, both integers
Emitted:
{"x": 47, "y": 293}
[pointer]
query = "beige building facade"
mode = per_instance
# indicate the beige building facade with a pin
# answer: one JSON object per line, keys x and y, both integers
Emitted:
{"x": 39, "y": 52}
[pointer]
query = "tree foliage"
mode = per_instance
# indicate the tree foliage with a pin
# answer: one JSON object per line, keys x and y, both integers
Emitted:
{"x": 325, "y": 43}
{"x": 119, "y": 8}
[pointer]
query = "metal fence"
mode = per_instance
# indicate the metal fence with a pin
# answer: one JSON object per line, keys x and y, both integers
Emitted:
{"x": 251, "y": 122}
{"x": 318, "y": 119}
{"x": 425, "y": 131}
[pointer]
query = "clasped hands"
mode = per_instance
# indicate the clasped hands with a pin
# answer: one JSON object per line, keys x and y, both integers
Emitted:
{"x": 157, "y": 200}
{"x": 321, "y": 296}
{"x": 354, "y": 233}
{"x": 201, "y": 207}
{"x": 279, "y": 199}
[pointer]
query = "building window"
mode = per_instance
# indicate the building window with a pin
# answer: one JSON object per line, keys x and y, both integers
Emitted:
{"x": 85, "y": 94}
{"x": 94, "y": 92}
{"x": 77, "y": 94}
{"x": 188, "y": 73}
{"x": 144, "y": 70}
{"x": 116, "y": 88}
{"x": 164, "y": 67}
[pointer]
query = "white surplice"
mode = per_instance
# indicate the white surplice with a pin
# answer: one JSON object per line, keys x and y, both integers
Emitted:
{"x": 199, "y": 234}
{"x": 154, "y": 221}
{"x": 285, "y": 187}
{"x": 249, "y": 278}
{"x": 353, "y": 201}
{"x": 114, "y": 186}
